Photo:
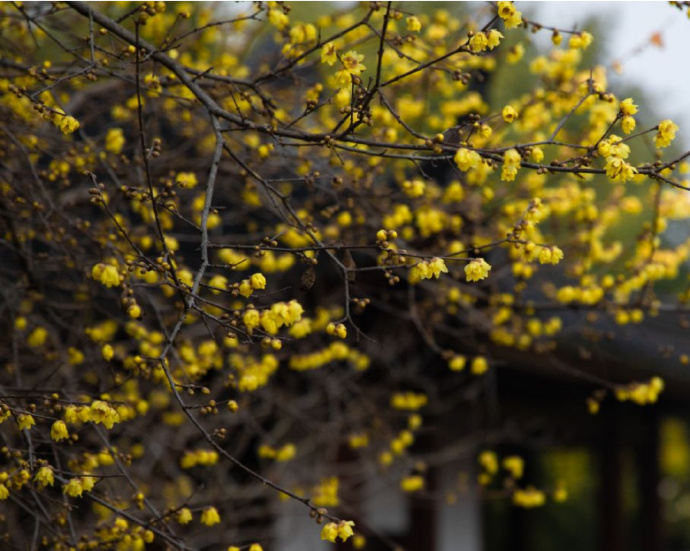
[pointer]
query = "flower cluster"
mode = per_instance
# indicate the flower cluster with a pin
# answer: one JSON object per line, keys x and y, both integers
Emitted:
{"x": 343, "y": 530}
{"x": 511, "y": 17}
{"x": 428, "y": 270}
{"x": 487, "y": 40}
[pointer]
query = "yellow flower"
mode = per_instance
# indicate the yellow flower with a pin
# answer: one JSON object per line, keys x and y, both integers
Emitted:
{"x": 336, "y": 329}
{"x": 114, "y": 140}
{"x": 186, "y": 180}
{"x": 617, "y": 169}
{"x": 269, "y": 322}
{"x": 107, "y": 352}
{"x": 345, "y": 530}
{"x": 65, "y": 123}
{"x": 466, "y": 159}
{"x": 294, "y": 312}
{"x": 592, "y": 406}
{"x": 413, "y": 24}
{"x": 278, "y": 19}
{"x": 4, "y": 492}
{"x": 477, "y": 269}
{"x": 74, "y": 488}
{"x": 101, "y": 412}
{"x": 666, "y": 133}
{"x": 511, "y": 164}
{"x": 329, "y": 532}
{"x": 478, "y": 42}
{"x": 44, "y": 477}
{"x": 301, "y": 329}
{"x": 528, "y": 498}
{"x": 628, "y": 124}
{"x": 627, "y": 107}
{"x": 357, "y": 441}
{"x": 586, "y": 39}
{"x": 412, "y": 483}
{"x": 505, "y": 9}
{"x": 488, "y": 460}
{"x": 218, "y": 282}
{"x": 436, "y": 266}
{"x": 59, "y": 431}
{"x": 302, "y": 33}
{"x": 352, "y": 62}
{"x": 419, "y": 271}
{"x": 246, "y": 288}
{"x": 257, "y": 281}
{"x": 515, "y": 465}
{"x": 344, "y": 219}
{"x": 88, "y": 482}
{"x": 210, "y": 516}
{"x": 106, "y": 274}
{"x": 613, "y": 147}
{"x": 286, "y": 453}
{"x": 184, "y": 516}
{"x": 550, "y": 255}
{"x": 343, "y": 78}
{"x": 37, "y": 337}
{"x": 511, "y": 17}
{"x": 560, "y": 494}
{"x": 251, "y": 319}
{"x": 509, "y": 113}
{"x": 457, "y": 363}
{"x": 515, "y": 54}
{"x": 580, "y": 41}
{"x": 479, "y": 366}
{"x": 494, "y": 39}
{"x": 414, "y": 188}
{"x": 255, "y": 547}
{"x": 329, "y": 54}
{"x": 25, "y": 421}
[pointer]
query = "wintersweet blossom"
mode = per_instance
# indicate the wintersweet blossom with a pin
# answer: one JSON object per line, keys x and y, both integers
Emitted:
{"x": 44, "y": 477}
{"x": 345, "y": 530}
{"x": 210, "y": 516}
{"x": 413, "y": 24}
{"x": 665, "y": 134}
{"x": 511, "y": 17}
{"x": 59, "y": 431}
{"x": 106, "y": 274}
{"x": 352, "y": 61}
{"x": 329, "y": 53}
{"x": 466, "y": 159}
{"x": 511, "y": 164}
{"x": 329, "y": 532}
{"x": 477, "y": 270}
{"x": 509, "y": 113}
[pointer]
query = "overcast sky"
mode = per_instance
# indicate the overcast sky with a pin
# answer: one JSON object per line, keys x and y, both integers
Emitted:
{"x": 663, "y": 73}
